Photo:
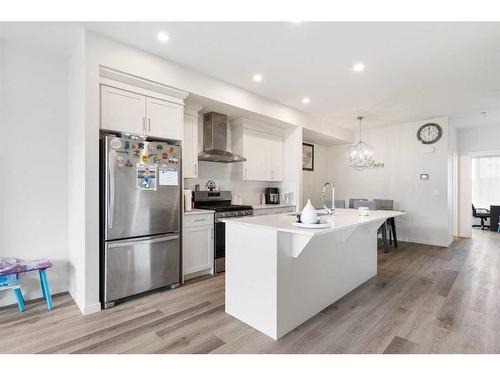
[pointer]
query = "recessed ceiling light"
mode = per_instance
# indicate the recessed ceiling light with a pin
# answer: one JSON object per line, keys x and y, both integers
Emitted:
{"x": 162, "y": 37}
{"x": 257, "y": 77}
{"x": 358, "y": 67}
{"x": 306, "y": 100}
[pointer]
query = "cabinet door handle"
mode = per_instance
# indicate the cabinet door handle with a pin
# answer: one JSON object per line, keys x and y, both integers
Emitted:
{"x": 200, "y": 219}
{"x": 195, "y": 169}
{"x": 149, "y": 125}
{"x": 245, "y": 173}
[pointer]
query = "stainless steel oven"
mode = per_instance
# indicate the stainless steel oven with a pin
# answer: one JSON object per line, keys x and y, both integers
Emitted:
{"x": 220, "y": 202}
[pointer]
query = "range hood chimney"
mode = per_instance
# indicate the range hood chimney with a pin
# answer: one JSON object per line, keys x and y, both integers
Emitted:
{"x": 215, "y": 140}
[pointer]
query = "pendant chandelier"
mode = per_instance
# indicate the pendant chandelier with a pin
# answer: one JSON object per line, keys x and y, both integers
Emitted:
{"x": 360, "y": 154}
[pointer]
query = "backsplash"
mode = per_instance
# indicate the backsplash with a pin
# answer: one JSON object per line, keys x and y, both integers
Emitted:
{"x": 249, "y": 191}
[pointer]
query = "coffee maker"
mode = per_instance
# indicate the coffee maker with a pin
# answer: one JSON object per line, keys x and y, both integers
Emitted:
{"x": 272, "y": 195}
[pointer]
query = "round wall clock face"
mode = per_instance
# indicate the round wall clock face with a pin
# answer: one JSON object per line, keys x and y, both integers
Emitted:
{"x": 429, "y": 133}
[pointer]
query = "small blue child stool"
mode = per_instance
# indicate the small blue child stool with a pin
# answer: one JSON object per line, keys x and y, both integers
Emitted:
{"x": 10, "y": 268}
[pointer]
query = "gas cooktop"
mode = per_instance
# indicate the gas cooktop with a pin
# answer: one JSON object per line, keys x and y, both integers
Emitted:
{"x": 223, "y": 207}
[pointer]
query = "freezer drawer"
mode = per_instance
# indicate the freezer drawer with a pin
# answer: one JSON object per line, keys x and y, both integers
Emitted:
{"x": 139, "y": 265}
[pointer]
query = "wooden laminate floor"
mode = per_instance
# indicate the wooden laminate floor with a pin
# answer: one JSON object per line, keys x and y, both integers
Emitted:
{"x": 425, "y": 299}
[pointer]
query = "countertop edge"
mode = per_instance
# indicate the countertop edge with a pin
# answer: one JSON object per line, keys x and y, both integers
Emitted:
{"x": 271, "y": 206}
{"x": 198, "y": 211}
{"x": 309, "y": 232}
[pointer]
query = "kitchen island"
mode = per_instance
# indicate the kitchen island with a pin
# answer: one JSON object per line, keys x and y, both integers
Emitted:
{"x": 279, "y": 275}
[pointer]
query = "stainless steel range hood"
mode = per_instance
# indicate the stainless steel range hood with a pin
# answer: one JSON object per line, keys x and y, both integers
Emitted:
{"x": 215, "y": 140}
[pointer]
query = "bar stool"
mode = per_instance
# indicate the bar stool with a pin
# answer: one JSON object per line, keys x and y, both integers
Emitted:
{"x": 388, "y": 204}
{"x": 383, "y": 228}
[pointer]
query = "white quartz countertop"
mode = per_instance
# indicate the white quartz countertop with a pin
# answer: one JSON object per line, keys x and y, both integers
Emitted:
{"x": 344, "y": 218}
{"x": 264, "y": 206}
{"x": 198, "y": 211}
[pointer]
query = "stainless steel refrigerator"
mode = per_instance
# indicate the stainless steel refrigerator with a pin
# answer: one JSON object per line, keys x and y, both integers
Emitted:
{"x": 140, "y": 217}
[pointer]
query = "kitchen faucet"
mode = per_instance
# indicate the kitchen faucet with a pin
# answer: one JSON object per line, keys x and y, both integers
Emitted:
{"x": 330, "y": 210}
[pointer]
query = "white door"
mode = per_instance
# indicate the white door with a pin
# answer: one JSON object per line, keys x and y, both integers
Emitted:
{"x": 122, "y": 110}
{"x": 276, "y": 157}
{"x": 164, "y": 119}
{"x": 257, "y": 166}
{"x": 198, "y": 249}
{"x": 190, "y": 147}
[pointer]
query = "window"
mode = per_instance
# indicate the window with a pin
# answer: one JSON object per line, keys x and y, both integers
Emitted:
{"x": 486, "y": 181}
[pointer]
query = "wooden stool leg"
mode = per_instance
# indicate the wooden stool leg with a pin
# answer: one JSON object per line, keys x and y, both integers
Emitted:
{"x": 19, "y": 298}
{"x": 45, "y": 288}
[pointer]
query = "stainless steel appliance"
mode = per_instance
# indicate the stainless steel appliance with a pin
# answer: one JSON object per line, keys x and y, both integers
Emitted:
{"x": 215, "y": 140}
{"x": 220, "y": 202}
{"x": 140, "y": 217}
{"x": 272, "y": 196}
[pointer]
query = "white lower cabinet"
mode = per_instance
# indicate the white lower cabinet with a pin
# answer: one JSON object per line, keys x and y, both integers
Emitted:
{"x": 197, "y": 245}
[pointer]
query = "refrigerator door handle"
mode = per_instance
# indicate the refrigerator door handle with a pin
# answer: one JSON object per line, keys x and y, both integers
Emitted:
{"x": 111, "y": 190}
{"x": 143, "y": 240}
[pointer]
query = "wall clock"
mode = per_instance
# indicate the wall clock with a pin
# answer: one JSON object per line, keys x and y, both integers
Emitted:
{"x": 429, "y": 133}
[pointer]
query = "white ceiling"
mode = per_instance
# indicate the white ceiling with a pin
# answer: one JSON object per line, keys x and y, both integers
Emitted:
{"x": 414, "y": 71}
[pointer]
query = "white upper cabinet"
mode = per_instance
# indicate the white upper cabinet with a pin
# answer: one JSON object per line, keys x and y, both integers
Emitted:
{"x": 190, "y": 141}
{"x": 129, "y": 109}
{"x": 164, "y": 119}
{"x": 255, "y": 151}
{"x": 276, "y": 157}
{"x": 122, "y": 110}
{"x": 262, "y": 146}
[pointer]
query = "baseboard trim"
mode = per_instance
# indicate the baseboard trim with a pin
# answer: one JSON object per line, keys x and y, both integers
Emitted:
{"x": 424, "y": 242}
{"x": 91, "y": 309}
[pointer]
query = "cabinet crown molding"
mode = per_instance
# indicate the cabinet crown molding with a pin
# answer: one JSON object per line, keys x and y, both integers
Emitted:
{"x": 137, "y": 83}
{"x": 258, "y": 126}
{"x": 192, "y": 109}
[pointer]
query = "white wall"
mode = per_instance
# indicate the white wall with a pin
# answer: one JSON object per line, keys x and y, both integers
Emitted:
{"x": 33, "y": 197}
{"x": 249, "y": 191}
{"x": 479, "y": 138}
{"x": 313, "y": 181}
{"x": 75, "y": 166}
{"x": 452, "y": 180}
{"x": 465, "y": 196}
{"x": 426, "y": 202}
